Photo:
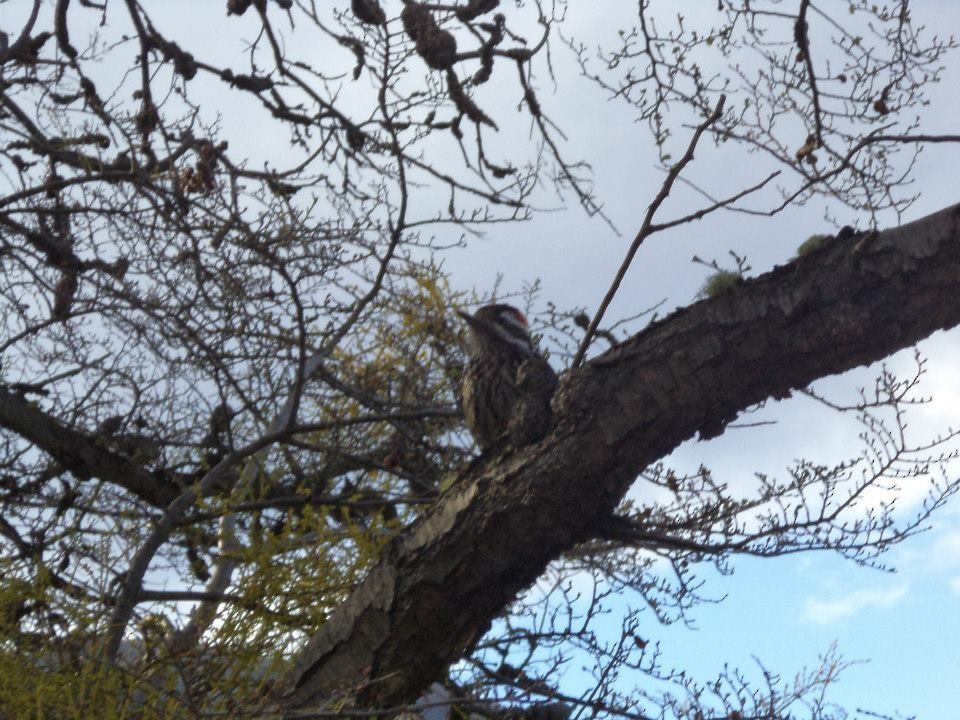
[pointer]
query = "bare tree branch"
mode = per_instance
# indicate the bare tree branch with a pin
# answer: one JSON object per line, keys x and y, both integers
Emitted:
{"x": 81, "y": 454}
{"x": 859, "y": 300}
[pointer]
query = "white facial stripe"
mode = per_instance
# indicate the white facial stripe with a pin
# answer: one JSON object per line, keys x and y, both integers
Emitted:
{"x": 513, "y": 330}
{"x": 521, "y": 343}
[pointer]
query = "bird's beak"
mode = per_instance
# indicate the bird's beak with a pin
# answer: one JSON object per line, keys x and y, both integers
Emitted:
{"x": 468, "y": 318}
{"x": 479, "y": 326}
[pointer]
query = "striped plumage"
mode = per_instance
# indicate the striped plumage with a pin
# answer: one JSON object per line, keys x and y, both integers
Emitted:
{"x": 507, "y": 385}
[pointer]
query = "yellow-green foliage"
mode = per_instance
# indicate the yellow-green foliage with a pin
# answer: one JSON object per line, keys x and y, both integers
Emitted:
{"x": 810, "y": 244}
{"x": 405, "y": 354}
{"x": 293, "y": 573}
{"x": 295, "y": 585}
{"x": 45, "y": 678}
{"x": 720, "y": 282}
{"x": 78, "y": 689}
{"x": 292, "y": 570}
{"x": 286, "y": 588}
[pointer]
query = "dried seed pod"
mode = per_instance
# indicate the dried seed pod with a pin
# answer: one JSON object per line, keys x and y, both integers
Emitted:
{"x": 190, "y": 181}
{"x": 475, "y": 8}
{"x": 64, "y": 293}
{"x": 464, "y": 103}
{"x": 368, "y": 12}
{"x": 238, "y": 7}
{"x": 356, "y": 139}
{"x": 359, "y": 52}
{"x": 437, "y": 47}
{"x": 147, "y": 119}
{"x": 413, "y": 16}
{"x": 207, "y": 166}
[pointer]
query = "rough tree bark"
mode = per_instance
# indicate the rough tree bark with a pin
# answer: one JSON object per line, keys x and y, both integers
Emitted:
{"x": 439, "y": 585}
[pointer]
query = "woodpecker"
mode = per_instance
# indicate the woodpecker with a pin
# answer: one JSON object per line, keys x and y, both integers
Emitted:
{"x": 508, "y": 384}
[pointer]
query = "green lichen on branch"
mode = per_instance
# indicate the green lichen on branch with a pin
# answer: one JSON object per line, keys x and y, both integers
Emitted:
{"x": 814, "y": 242}
{"x": 720, "y": 282}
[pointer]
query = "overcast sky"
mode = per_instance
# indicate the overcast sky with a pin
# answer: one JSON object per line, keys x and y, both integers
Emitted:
{"x": 784, "y": 611}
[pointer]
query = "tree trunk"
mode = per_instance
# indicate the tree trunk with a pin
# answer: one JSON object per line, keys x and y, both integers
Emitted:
{"x": 441, "y": 583}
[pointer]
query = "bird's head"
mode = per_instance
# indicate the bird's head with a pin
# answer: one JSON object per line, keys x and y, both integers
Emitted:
{"x": 498, "y": 326}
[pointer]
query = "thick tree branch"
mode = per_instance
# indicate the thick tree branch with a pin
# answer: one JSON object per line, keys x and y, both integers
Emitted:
{"x": 439, "y": 585}
{"x": 81, "y": 454}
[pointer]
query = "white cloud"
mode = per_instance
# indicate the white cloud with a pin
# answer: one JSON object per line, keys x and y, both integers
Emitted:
{"x": 823, "y": 612}
{"x": 955, "y": 585}
{"x": 946, "y": 550}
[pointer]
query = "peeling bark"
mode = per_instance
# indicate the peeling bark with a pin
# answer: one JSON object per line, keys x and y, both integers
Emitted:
{"x": 440, "y": 584}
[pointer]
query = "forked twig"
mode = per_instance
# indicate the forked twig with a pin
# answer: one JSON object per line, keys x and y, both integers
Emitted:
{"x": 646, "y": 229}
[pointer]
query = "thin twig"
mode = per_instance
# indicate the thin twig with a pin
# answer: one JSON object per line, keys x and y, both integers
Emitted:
{"x": 717, "y": 205}
{"x": 803, "y": 43}
{"x": 646, "y": 229}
